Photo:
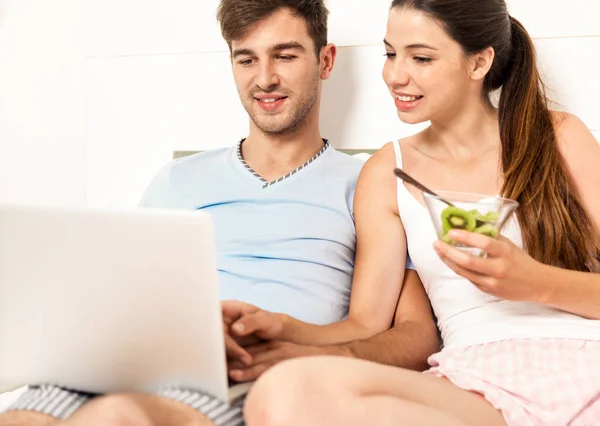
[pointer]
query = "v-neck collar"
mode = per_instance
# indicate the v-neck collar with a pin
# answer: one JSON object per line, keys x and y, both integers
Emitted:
{"x": 267, "y": 184}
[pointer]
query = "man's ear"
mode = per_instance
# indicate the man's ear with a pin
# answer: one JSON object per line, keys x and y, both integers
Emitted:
{"x": 481, "y": 63}
{"x": 327, "y": 60}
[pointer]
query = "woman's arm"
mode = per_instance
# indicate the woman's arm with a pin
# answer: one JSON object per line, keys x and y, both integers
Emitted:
{"x": 571, "y": 291}
{"x": 408, "y": 343}
{"x": 577, "y": 292}
{"x": 379, "y": 264}
{"x": 581, "y": 152}
{"x": 509, "y": 273}
{"x": 378, "y": 274}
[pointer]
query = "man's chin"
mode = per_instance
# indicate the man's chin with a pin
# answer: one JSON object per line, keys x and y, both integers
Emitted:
{"x": 275, "y": 131}
{"x": 275, "y": 127}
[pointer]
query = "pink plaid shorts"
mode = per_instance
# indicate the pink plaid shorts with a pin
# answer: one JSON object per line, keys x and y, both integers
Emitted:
{"x": 549, "y": 382}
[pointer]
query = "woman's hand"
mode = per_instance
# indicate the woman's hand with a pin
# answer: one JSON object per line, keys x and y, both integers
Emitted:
{"x": 507, "y": 272}
{"x": 235, "y": 342}
{"x": 248, "y": 320}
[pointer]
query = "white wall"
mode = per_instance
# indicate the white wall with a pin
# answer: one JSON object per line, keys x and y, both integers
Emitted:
{"x": 42, "y": 94}
{"x": 96, "y": 94}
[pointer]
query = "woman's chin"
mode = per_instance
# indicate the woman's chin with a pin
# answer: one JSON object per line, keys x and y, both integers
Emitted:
{"x": 408, "y": 118}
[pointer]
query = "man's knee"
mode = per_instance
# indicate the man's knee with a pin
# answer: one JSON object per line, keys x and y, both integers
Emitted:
{"x": 26, "y": 418}
{"x": 114, "y": 410}
{"x": 138, "y": 410}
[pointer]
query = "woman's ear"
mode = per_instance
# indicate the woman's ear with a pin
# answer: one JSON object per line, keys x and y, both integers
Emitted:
{"x": 481, "y": 63}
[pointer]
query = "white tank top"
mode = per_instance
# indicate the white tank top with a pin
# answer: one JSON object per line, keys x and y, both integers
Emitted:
{"x": 466, "y": 315}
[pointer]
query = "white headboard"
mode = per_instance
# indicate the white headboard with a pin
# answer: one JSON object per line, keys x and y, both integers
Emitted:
{"x": 142, "y": 107}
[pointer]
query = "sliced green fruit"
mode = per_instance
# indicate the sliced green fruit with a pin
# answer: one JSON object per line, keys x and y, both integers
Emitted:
{"x": 457, "y": 218}
{"x": 490, "y": 216}
{"x": 487, "y": 229}
{"x": 482, "y": 219}
{"x": 448, "y": 240}
{"x": 476, "y": 214}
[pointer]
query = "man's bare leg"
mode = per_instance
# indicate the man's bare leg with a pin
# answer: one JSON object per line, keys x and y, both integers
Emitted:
{"x": 116, "y": 410}
{"x": 26, "y": 418}
{"x": 136, "y": 409}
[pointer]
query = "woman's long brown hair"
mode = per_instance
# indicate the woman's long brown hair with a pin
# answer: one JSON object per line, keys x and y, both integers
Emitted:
{"x": 555, "y": 226}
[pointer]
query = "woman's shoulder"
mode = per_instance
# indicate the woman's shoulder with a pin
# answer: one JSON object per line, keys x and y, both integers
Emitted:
{"x": 573, "y": 137}
{"x": 387, "y": 153}
{"x": 378, "y": 171}
{"x": 581, "y": 153}
{"x": 565, "y": 124}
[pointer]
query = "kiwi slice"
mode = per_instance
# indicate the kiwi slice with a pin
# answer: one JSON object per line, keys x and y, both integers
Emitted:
{"x": 490, "y": 216}
{"x": 487, "y": 229}
{"x": 481, "y": 219}
{"x": 446, "y": 239}
{"x": 457, "y": 218}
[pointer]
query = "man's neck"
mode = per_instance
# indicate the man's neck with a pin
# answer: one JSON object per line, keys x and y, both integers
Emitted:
{"x": 273, "y": 156}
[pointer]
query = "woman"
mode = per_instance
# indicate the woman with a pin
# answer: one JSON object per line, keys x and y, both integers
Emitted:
{"x": 521, "y": 327}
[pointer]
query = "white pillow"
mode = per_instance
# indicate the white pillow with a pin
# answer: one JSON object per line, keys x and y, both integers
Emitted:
{"x": 362, "y": 156}
{"x": 8, "y": 398}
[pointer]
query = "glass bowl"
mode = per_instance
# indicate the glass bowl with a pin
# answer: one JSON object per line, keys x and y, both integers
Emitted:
{"x": 471, "y": 212}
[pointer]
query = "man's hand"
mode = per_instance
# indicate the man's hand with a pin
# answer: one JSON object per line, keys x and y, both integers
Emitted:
{"x": 266, "y": 355}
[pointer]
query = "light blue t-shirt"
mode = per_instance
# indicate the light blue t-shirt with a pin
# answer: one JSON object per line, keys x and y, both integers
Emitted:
{"x": 286, "y": 247}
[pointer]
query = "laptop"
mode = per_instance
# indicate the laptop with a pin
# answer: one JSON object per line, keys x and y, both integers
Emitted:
{"x": 106, "y": 301}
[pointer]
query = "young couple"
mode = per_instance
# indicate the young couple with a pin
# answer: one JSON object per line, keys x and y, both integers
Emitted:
{"x": 520, "y": 327}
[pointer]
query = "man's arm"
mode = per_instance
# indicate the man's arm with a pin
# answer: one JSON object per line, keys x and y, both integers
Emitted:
{"x": 412, "y": 338}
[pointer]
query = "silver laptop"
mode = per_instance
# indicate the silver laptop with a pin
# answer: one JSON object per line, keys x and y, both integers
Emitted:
{"x": 110, "y": 301}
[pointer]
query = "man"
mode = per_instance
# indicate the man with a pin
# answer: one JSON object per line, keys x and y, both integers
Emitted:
{"x": 281, "y": 201}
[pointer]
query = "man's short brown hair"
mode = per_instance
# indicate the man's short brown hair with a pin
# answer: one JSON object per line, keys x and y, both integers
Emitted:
{"x": 237, "y": 17}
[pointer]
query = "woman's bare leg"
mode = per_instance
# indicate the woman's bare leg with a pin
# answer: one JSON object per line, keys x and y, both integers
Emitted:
{"x": 344, "y": 391}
